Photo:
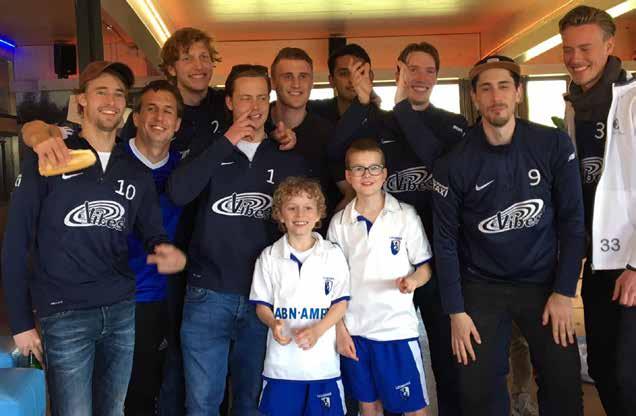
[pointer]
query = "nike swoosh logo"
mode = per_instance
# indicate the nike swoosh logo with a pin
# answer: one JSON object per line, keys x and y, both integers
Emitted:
{"x": 479, "y": 188}
{"x": 65, "y": 176}
{"x": 226, "y": 163}
{"x": 386, "y": 141}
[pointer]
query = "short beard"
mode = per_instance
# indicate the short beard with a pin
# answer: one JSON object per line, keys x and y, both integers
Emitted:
{"x": 106, "y": 127}
{"x": 498, "y": 121}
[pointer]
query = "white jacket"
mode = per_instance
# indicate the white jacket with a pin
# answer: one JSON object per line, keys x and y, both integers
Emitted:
{"x": 614, "y": 220}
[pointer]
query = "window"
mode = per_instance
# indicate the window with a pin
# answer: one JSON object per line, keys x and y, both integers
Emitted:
{"x": 320, "y": 93}
{"x": 317, "y": 93}
{"x": 545, "y": 99}
{"x": 445, "y": 96}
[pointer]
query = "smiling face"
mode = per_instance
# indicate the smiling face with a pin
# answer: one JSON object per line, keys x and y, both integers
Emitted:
{"x": 366, "y": 184}
{"x": 422, "y": 77}
{"x": 496, "y": 96}
{"x": 292, "y": 79}
{"x": 193, "y": 70}
{"x": 157, "y": 119}
{"x": 300, "y": 214}
{"x": 250, "y": 95}
{"x": 585, "y": 52}
{"x": 103, "y": 102}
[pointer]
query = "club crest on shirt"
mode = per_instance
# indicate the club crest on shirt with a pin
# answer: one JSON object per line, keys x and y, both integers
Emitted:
{"x": 592, "y": 167}
{"x": 248, "y": 204}
{"x": 108, "y": 214}
{"x": 418, "y": 178}
{"x": 395, "y": 245}
{"x": 325, "y": 400}
{"x": 328, "y": 284}
{"x": 524, "y": 214}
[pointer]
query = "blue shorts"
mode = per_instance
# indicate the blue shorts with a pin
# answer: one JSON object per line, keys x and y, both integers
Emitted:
{"x": 302, "y": 398}
{"x": 389, "y": 371}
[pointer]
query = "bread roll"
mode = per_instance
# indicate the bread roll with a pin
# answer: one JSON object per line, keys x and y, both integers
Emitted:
{"x": 80, "y": 159}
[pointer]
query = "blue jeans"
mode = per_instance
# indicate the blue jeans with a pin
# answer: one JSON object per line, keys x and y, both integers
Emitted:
{"x": 217, "y": 326}
{"x": 172, "y": 395}
{"x": 89, "y": 356}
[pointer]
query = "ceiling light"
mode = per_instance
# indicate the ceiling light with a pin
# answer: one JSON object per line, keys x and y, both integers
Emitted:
{"x": 7, "y": 42}
{"x": 555, "y": 40}
{"x": 151, "y": 18}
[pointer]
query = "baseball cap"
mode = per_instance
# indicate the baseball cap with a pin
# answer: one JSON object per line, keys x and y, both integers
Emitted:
{"x": 494, "y": 61}
{"x": 96, "y": 68}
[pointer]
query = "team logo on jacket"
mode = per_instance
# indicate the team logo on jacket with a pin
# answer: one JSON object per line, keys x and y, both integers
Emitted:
{"x": 395, "y": 245}
{"x": 409, "y": 180}
{"x": 325, "y": 400}
{"x": 108, "y": 214}
{"x": 592, "y": 167}
{"x": 248, "y": 204}
{"x": 525, "y": 214}
{"x": 328, "y": 284}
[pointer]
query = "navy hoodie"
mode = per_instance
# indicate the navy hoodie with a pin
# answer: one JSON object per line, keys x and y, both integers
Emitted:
{"x": 76, "y": 226}
{"x": 233, "y": 223}
{"x": 510, "y": 213}
{"x": 411, "y": 141}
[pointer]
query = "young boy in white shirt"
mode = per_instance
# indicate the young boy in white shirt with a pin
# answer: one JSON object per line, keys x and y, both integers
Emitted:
{"x": 387, "y": 250}
{"x": 300, "y": 287}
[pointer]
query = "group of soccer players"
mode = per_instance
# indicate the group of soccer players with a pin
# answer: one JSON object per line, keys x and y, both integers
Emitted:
{"x": 314, "y": 229}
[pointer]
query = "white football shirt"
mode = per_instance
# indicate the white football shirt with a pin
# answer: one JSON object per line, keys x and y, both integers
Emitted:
{"x": 393, "y": 246}
{"x": 301, "y": 295}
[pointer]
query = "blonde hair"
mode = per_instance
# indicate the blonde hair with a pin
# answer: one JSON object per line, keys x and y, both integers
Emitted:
{"x": 296, "y": 186}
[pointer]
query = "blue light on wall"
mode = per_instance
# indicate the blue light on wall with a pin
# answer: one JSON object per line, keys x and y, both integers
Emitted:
{"x": 7, "y": 43}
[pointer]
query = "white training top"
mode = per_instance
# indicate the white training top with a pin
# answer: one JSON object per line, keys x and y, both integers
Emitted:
{"x": 301, "y": 296}
{"x": 248, "y": 148}
{"x": 104, "y": 157}
{"x": 393, "y": 246}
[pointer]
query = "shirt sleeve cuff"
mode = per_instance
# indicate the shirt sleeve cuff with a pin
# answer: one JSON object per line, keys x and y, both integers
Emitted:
{"x": 261, "y": 302}
{"x": 340, "y": 299}
{"x": 416, "y": 265}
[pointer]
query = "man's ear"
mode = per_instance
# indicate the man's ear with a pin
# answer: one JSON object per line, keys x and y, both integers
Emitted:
{"x": 81, "y": 99}
{"x": 171, "y": 70}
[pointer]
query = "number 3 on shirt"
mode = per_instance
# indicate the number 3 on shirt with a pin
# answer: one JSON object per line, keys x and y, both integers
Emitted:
{"x": 271, "y": 176}
{"x": 610, "y": 244}
{"x": 129, "y": 193}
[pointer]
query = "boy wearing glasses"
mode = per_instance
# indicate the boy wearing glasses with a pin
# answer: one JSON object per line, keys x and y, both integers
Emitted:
{"x": 387, "y": 251}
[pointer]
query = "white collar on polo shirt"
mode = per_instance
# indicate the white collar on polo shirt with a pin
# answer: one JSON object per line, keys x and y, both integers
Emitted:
{"x": 282, "y": 249}
{"x": 391, "y": 204}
